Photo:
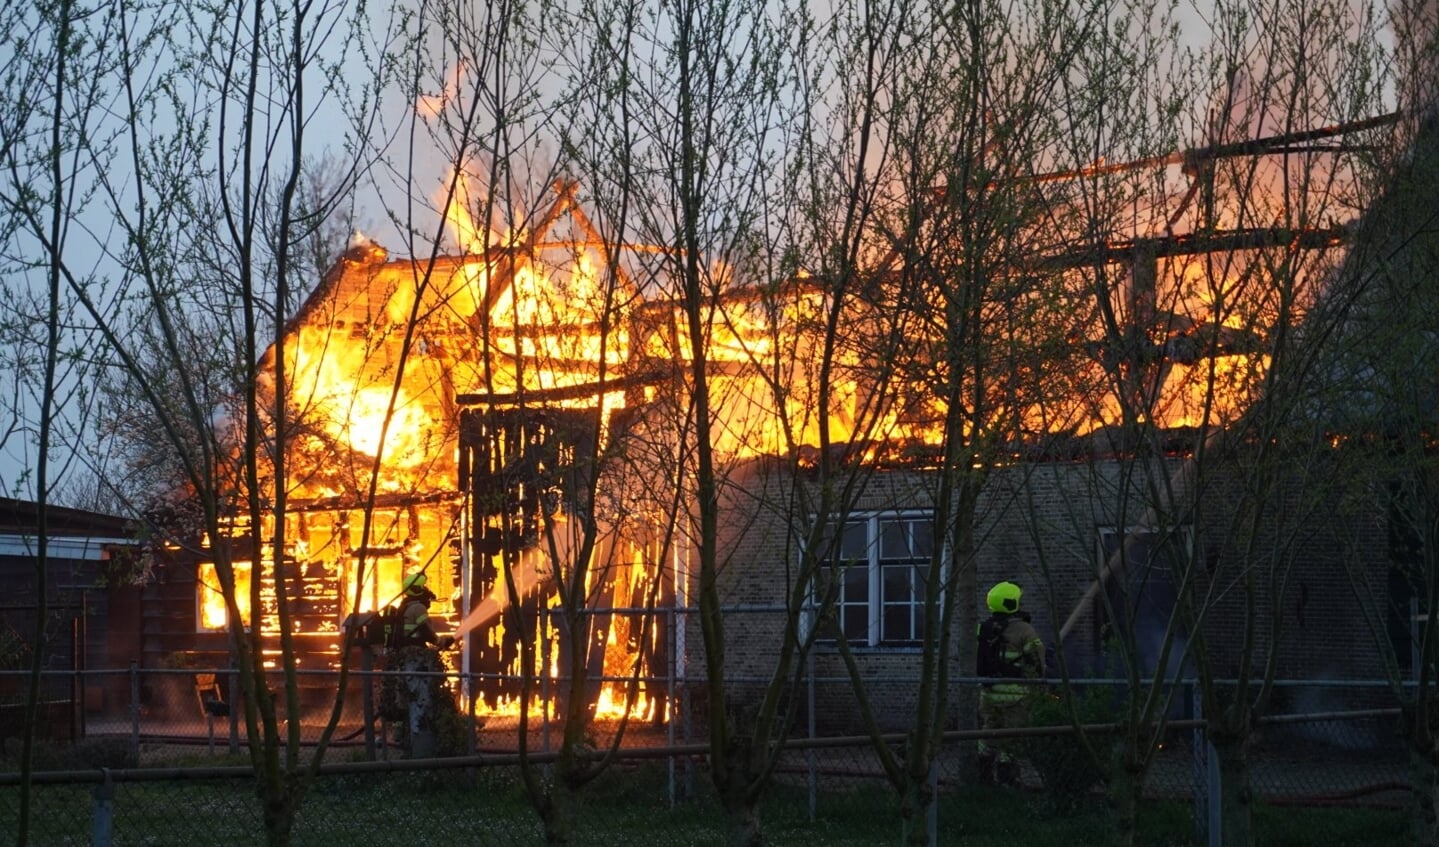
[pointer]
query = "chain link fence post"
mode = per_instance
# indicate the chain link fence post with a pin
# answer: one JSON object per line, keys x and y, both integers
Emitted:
{"x": 545, "y": 684}
{"x": 135, "y": 711}
{"x": 934, "y": 799}
{"x": 812, "y": 777}
{"x": 102, "y": 820}
{"x": 671, "y": 704}
{"x": 1200, "y": 757}
{"x": 232, "y": 692}
{"x": 1208, "y": 820}
{"x": 367, "y": 700}
{"x": 1216, "y": 826}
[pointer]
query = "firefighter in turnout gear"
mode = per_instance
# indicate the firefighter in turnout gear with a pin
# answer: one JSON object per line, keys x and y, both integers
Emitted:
{"x": 415, "y": 628}
{"x": 1009, "y": 649}
{"x": 417, "y": 697}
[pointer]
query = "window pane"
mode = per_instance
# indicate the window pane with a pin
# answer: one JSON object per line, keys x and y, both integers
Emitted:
{"x": 826, "y": 585}
{"x": 897, "y": 624}
{"x": 903, "y": 587}
{"x": 855, "y": 546}
{"x": 852, "y": 602}
{"x": 826, "y": 547}
{"x": 921, "y": 535}
{"x": 897, "y": 588}
{"x": 855, "y": 618}
{"x": 855, "y": 588}
{"x": 894, "y": 539}
{"x": 906, "y": 539}
{"x": 905, "y": 583}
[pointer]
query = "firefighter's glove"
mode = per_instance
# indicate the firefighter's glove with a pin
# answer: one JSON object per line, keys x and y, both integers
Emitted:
{"x": 446, "y": 642}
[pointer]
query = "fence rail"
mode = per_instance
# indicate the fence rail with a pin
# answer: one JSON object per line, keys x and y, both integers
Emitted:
{"x": 174, "y": 767}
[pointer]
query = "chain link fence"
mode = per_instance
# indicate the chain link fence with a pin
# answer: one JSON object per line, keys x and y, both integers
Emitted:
{"x": 160, "y": 758}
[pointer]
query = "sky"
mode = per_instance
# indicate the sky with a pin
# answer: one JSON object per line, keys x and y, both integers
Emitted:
{"x": 17, "y": 446}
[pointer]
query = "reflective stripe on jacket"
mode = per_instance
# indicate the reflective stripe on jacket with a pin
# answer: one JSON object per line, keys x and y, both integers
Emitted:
{"x": 415, "y": 626}
{"x": 1023, "y": 650}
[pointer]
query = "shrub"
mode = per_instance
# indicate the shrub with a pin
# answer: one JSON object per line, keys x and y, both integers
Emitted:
{"x": 14, "y": 651}
{"x": 1067, "y": 771}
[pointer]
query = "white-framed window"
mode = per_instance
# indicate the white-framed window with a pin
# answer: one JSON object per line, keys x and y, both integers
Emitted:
{"x": 879, "y": 575}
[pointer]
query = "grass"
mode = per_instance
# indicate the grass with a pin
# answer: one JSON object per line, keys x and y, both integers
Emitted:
{"x": 626, "y": 807}
{"x": 1337, "y": 827}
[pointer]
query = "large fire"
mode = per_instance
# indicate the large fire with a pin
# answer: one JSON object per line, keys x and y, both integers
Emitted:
{"x": 541, "y": 338}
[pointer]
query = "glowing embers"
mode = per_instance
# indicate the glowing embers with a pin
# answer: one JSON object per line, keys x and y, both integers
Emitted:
{"x": 613, "y": 703}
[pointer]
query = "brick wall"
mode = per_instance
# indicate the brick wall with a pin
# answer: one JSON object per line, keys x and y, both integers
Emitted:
{"x": 1038, "y": 524}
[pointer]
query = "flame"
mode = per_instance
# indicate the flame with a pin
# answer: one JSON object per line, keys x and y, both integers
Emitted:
{"x": 213, "y": 614}
{"x": 469, "y": 235}
{"x": 366, "y": 420}
{"x": 545, "y": 294}
{"x": 613, "y": 703}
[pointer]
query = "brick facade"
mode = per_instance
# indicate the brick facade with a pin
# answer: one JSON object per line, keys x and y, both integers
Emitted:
{"x": 1039, "y": 524}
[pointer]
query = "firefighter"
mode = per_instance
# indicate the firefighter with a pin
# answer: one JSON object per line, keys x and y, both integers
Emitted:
{"x": 415, "y": 628}
{"x": 418, "y": 697}
{"x": 1009, "y": 649}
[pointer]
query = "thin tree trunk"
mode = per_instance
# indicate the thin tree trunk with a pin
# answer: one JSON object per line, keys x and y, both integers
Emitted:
{"x": 1236, "y": 798}
{"x": 560, "y": 809}
{"x": 915, "y": 805}
{"x": 742, "y": 824}
{"x": 279, "y": 818}
{"x": 1124, "y": 802}
{"x": 1424, "y": 796}
{"x": 742, "y": 827}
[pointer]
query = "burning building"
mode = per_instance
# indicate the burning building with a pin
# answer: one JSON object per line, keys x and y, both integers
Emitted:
{"x": 455, "y": 416}
{"x": 512, "y": 421}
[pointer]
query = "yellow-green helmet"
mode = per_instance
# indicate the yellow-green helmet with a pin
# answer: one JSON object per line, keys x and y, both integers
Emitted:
{"x": 1004, "y": 597}
{"x": 415, "y": 583}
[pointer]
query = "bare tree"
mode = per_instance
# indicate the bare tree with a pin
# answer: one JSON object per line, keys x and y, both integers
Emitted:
{"x": 1318, "y": 72}
{"x": 949, "y": 111}
{"x": 1381, "y": 416}
{"x": 58, "y": 58}
{"x": 203, "y": 221}
{"x": 696, "y": 96}
{"x": 1196, "y": 372}
{"x": 1377, "y": 396}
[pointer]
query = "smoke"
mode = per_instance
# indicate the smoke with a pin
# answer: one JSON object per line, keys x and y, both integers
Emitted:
{"x": 432, "y": 105}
